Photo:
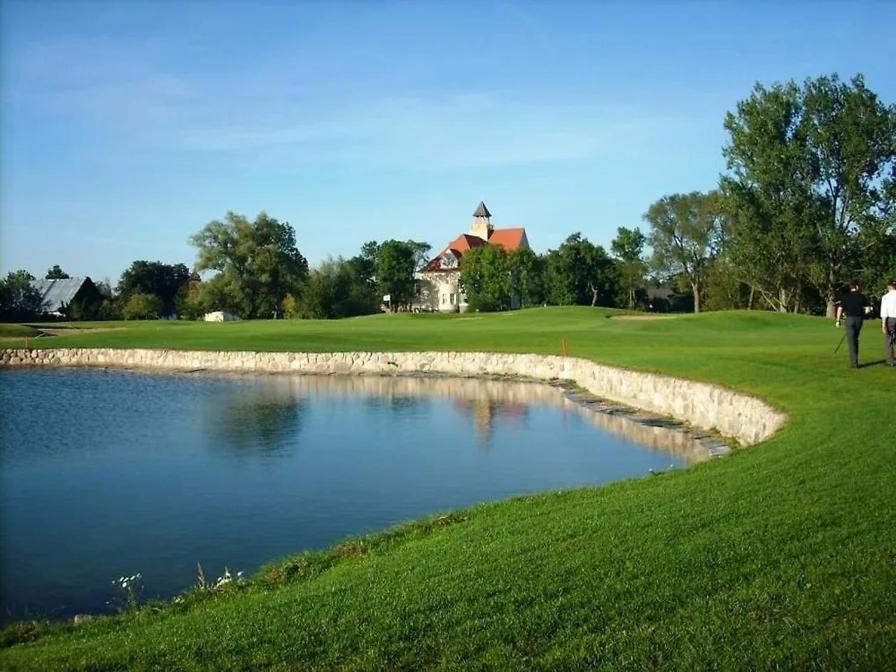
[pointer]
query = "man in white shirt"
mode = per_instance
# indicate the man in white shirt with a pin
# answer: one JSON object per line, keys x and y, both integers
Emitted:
{"x": 888, "y": 322}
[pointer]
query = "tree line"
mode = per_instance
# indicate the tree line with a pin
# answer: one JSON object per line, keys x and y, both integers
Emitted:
{"x": 806, "y": 203}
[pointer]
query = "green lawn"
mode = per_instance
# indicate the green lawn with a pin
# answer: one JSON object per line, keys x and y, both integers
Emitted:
{"x": 781, "y": 556}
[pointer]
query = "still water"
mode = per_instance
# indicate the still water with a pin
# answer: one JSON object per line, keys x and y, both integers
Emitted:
{"x": 110, "y": 473}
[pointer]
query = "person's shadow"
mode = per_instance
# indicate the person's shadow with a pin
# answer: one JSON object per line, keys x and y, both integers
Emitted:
{"x": 874, "y": 363}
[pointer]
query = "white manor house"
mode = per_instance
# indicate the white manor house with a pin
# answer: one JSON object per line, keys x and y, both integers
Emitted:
{"x": 439, "y": 287}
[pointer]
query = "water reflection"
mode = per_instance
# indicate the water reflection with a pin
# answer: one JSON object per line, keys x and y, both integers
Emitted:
{"x": 268, "y": 422}
{"x": 270, "y": 417}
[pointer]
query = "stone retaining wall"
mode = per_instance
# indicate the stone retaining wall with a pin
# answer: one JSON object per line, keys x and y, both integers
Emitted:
{"x": 706, "y": 406}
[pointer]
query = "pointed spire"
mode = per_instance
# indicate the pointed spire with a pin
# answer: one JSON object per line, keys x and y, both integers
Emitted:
{"x": 482, "y": 211}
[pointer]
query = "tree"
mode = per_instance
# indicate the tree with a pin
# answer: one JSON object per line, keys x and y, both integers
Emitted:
{"x": 526, "y": 276}
{"x": 56, "y": 273}
{"x": 395, "y": 266}
{"x": 161, "y": 280}
{"x": 333, "y": 290}
{"x": 258, "y": 263}
{"x": 420, "y": 250}
{"x": 485, "y": 278}
{"x": 365, "y": 263}
{"x": 142, "y": 307}
{"x": 579, "y": 272}
{"x": 852, "y": 143}
{"x": 628, "y": 246}
{"x": 809, "y": 171}
{"x": 685, "y": 233}
{"x": 18, "y": 297}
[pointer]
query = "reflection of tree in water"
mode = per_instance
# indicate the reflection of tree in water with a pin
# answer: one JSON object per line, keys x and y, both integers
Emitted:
{"x": 485, "y": 411}
{"x": 397, "y": 404}
{"x": 266, "y": 422}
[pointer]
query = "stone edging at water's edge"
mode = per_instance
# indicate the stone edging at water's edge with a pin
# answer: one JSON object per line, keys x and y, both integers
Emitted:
{"x": 703, "y": 405}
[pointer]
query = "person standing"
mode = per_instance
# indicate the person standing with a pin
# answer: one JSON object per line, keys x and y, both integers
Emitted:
{"x": 888, "y": 322}
{"x": 854, "y": 306}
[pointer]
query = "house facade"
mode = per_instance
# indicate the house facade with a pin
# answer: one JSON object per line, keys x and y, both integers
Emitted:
{"x": 439, "y": 281}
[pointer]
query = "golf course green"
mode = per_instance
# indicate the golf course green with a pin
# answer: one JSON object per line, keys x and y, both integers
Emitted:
{"x": 779, "y": 556}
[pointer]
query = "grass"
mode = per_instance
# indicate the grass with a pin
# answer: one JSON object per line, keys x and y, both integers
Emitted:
{"x": 781, "y": 556}
{"x": 16, "y": 332}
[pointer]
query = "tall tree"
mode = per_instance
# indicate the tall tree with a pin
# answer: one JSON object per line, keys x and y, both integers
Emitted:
{"x": 335, "y": 289}
{"x": 809, "y": 169}
{"x": 628, "y": 247}
{"x": 526, "y": 276}
{"x": 421, "y": 251}
{"x": 365, "y": 262}
{"x": 395, "y": 266}
{"x": 771, "y": 240}
{"x": 18, "y": 297}
{"x": 684, "y": 235}
{"x": 158, "y": 279}
{"x": 580, "y": 272}
{"x": 56, "y": 273}
{"x": 485, "y": 278}
{"x": 852, "y": 143}
{"x": 257, "y": 261}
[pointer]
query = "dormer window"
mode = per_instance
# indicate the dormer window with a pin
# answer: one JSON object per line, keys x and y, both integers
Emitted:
{"x": 449, "y": 260}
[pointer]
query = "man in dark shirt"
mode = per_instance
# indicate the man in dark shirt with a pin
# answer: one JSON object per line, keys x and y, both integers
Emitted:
{"x": 855, "y": 307}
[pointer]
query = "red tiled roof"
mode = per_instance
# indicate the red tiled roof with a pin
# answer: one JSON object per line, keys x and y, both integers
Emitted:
{"x": 465, "y": 242}
{"x": 509, "y": 239}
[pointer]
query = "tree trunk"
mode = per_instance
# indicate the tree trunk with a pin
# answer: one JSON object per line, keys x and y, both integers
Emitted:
{"x": 782, "y": 300}
{"x": 750, "y": 300}
{"x": 696, "y": 287}
{"x": 831, "y": 310}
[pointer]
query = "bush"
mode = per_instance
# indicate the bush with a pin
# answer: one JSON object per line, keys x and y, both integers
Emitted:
{"x": 142, "y": 307}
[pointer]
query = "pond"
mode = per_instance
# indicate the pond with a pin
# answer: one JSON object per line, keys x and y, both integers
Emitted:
{"x": 109, "y": 473}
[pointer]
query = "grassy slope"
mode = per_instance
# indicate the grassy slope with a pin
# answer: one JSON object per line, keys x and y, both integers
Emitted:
{"x": 783, "y": 554}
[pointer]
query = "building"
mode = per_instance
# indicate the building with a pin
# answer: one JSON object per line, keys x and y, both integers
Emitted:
{"x": 75, "y": 298}
{"x": 439, "y": 282}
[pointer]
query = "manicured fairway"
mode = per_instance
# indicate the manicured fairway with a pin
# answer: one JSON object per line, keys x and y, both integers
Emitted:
{"x": 781, "y": 556}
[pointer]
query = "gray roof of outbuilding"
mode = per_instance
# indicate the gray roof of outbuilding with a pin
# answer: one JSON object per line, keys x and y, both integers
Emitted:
{"x": 58, "y": 293}
{"x": 482, "y": 211}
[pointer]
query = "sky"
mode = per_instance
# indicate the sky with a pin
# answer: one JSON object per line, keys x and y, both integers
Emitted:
{"x": 126, "y": 126}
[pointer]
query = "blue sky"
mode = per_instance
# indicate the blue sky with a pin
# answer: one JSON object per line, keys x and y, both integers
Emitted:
{"x": 127, "y": 126}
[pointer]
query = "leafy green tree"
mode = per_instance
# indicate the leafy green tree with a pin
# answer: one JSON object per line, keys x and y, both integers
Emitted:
{"x": 685, "y": 231}
{"x": 56, "y": 273}
{"x": 335, "y": 289}
{"x": 365, "y": 263}
{"x": 628, "y": 247}
{"x": 18, "y": 297}
{"x": 485, "y": 278}
{"x": 142, "y": 307}
{"x": 395, "y": 266}
{"x": 851, "y": 137}
{"x": 154, "y": 277}
{"x": 580, "y": 273}
{"x": 421, "y": 252}
{"x": 258, "y": 263}
{"x": 809, "y": 169}
{"x": 526, "y": 276}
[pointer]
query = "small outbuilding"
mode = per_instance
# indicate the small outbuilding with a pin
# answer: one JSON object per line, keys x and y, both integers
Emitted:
{"x": 218, "y": 316}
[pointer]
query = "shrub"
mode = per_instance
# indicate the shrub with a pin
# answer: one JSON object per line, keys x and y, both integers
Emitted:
{"x": 142, "y": 307}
